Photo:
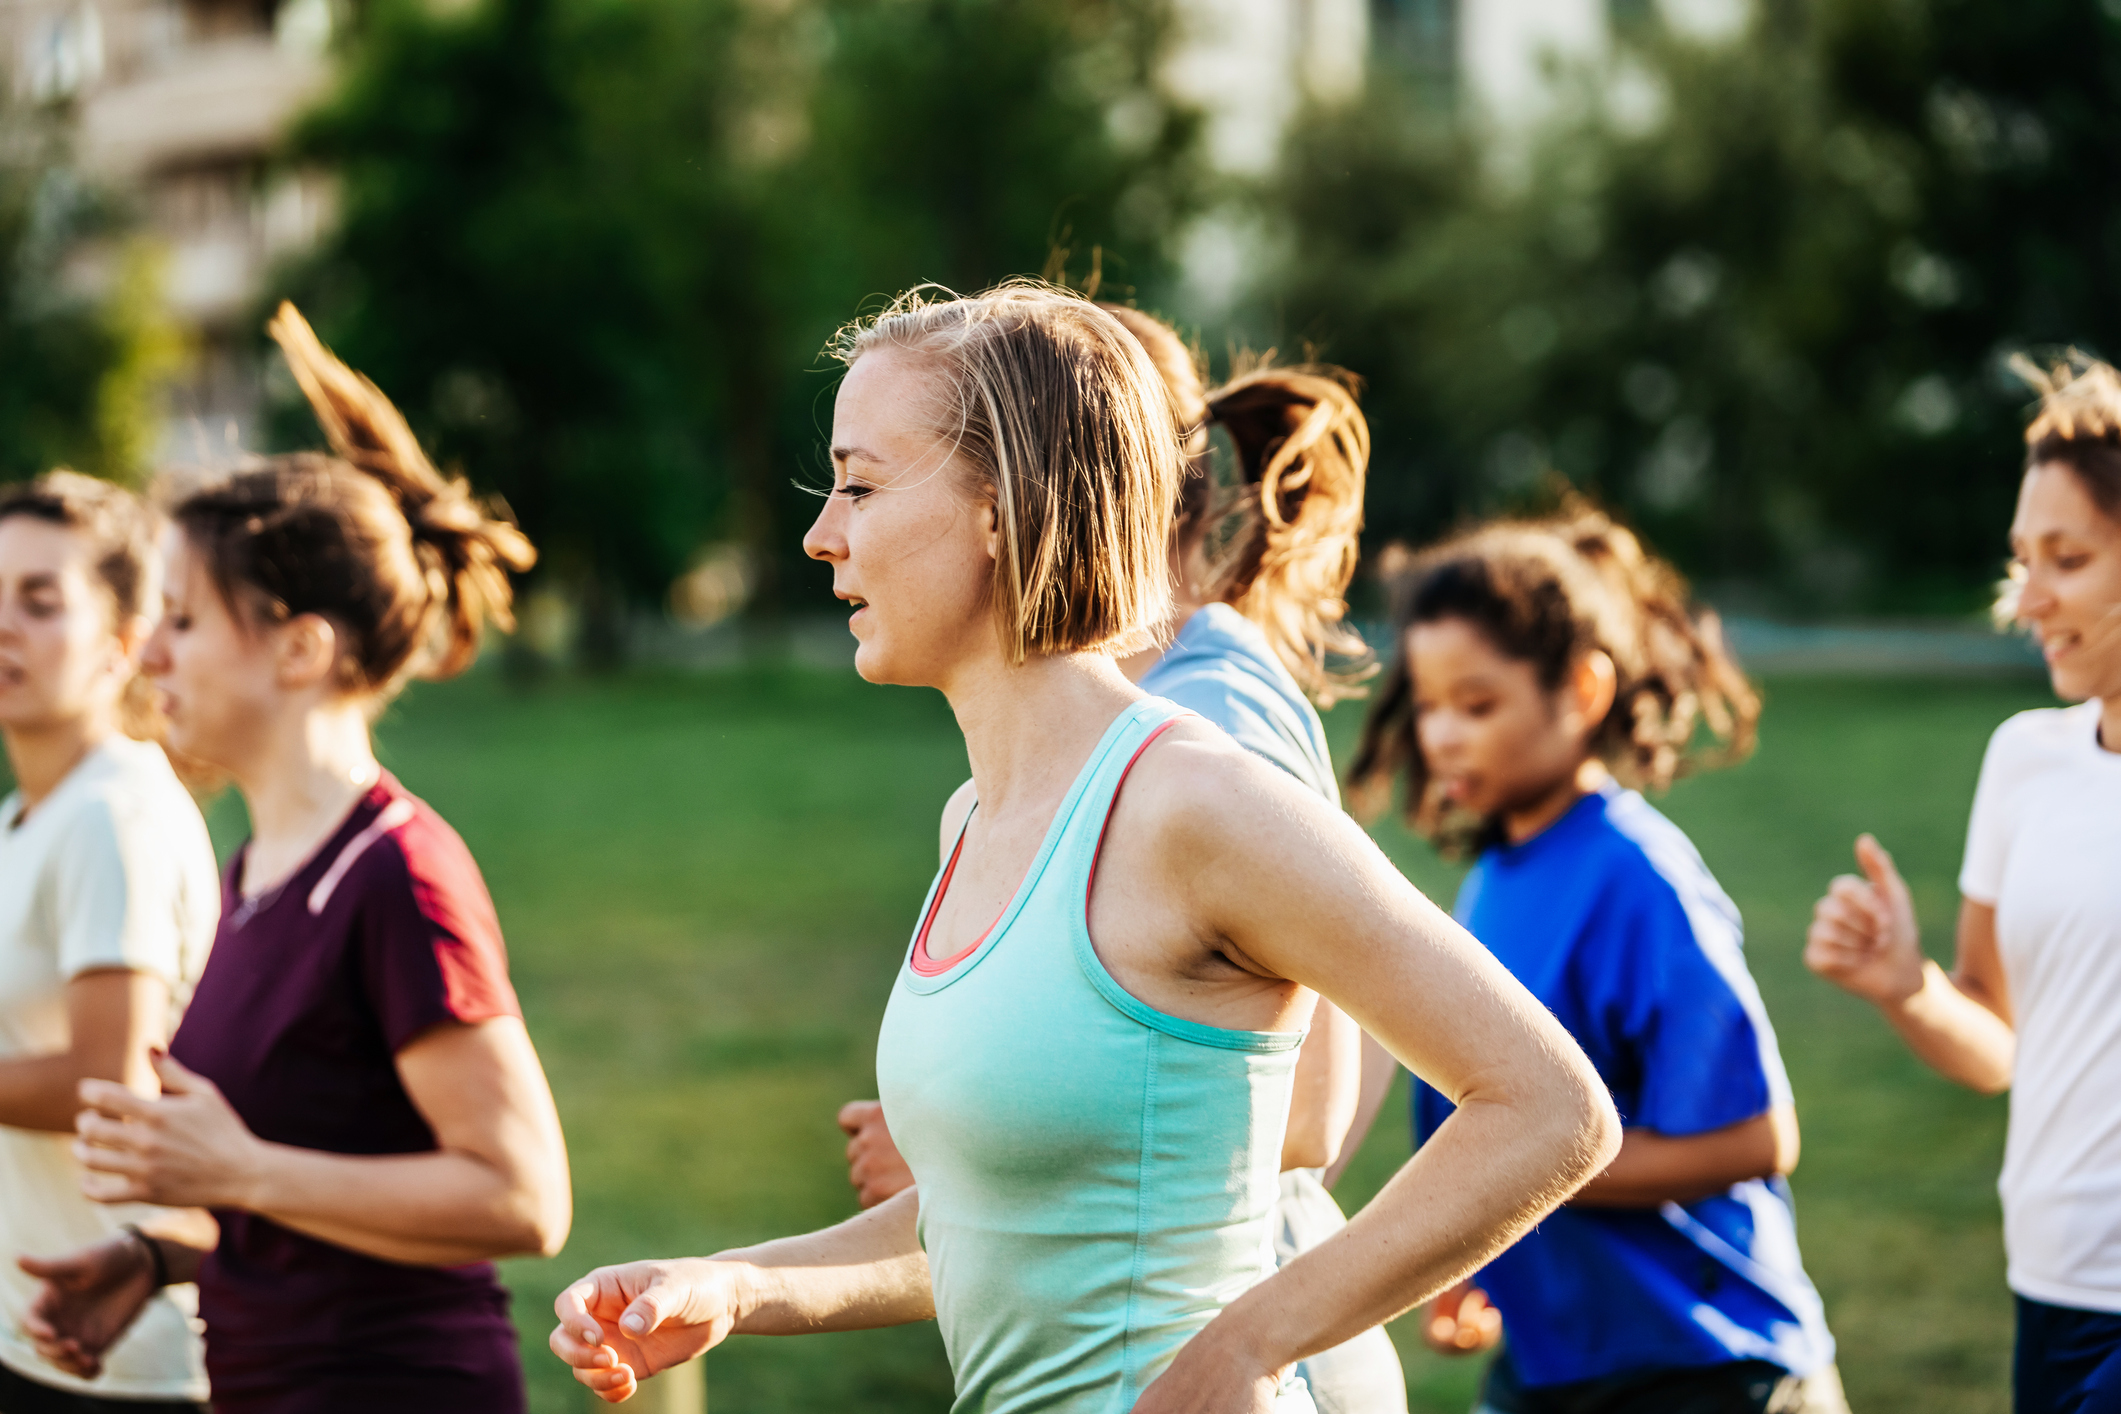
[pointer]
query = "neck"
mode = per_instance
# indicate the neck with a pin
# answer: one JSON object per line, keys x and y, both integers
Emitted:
{"x": 1536, "y": 816}
{"x": 307, "y": 776}
{"x": 43, "y": 755}
{"x": 1030, "y": 725}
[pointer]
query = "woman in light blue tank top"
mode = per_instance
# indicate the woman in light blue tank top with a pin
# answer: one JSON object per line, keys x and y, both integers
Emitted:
{"x": 1087, "y": 1057}
{"x": 1295, "y": 436}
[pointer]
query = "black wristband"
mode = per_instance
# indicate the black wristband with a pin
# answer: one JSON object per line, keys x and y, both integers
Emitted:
{"x": 154, "y": 1255}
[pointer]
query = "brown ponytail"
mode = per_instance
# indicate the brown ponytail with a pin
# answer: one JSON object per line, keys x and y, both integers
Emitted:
{"x": 1546, "y": 592}
{"x": 1280, "y": 532}
{"x": 400, "y": 558}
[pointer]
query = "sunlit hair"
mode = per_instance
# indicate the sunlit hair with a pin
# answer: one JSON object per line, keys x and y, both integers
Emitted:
{"x": 401, "y": 560}
{"x": 118, "y": 530}
{"x": 2077, "y": 425}
{"x": 1279, "y": 520}
{"x": 1547, "y": 592}
{"x": 1063, "y": 421}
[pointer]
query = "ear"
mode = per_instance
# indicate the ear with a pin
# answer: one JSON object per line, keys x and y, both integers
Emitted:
{"x": 990, "y": 524}
{"x": 305, "y": 651}
{"x": 1592, "y": 687}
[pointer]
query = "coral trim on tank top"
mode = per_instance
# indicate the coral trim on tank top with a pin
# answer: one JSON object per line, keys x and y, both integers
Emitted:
{"x": 921, "y": 962}
{"x": 926, "y": 964}
{"x": 1112, "y": 804}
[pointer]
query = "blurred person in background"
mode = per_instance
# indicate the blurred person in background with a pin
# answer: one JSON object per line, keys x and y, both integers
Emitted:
{"x": 108, "y": 896}
{"x": 1089, "y": 1053}
{"x": 352, "y": 1092}
{"x": 1547, "y": 671}
{"x": 2032, "y": 1004}
{"x": 1263, "y": 546}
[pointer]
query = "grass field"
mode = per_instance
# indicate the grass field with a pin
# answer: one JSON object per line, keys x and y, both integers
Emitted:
{"x": 707, "y": 883}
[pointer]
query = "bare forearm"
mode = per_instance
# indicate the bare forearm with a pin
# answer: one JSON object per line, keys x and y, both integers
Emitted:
{"x": 41, "y": 1092}
{"x": 1379, "y": 1071}
{"x": 1652, "y": 1169}
{"x": 857, "y": 1275}
{"x": 436, "y": 1209}
{"x": 1476, "y": 1186}
{"x": 1955, "y": 1033}
{"x": 1328, "y": 1090}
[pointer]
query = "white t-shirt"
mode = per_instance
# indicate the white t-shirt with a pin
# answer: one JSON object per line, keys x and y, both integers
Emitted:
{"x": 2044, "y": 848}
{"x": 112, "y": 870}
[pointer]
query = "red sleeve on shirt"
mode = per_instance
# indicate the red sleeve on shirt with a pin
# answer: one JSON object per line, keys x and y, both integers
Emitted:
{"x": 433, "y": 944}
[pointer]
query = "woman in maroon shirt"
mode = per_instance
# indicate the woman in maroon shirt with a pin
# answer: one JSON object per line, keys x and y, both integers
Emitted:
{"x": 352, "y": 1093}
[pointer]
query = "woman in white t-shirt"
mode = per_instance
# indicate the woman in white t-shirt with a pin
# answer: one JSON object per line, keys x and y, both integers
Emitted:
{"x": 108, "y": 900}
{"x": 2033, "y": 1001}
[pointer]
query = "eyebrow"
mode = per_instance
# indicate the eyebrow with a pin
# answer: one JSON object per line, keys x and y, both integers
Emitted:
{"x": 840, "y": 454}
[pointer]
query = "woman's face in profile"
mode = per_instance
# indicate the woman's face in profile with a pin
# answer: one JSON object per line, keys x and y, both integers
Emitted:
{"x": 910, "y": 543}
{"x": 2066, "y": 553}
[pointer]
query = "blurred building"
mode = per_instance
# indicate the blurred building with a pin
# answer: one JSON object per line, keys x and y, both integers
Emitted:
{"x": 177, "y": 103}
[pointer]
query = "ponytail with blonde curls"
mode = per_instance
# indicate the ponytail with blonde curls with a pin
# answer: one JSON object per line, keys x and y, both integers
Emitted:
{"x": 1547, "y": 592}
{"x": 400, "y": 559}
{"x": 1280, "y": 535}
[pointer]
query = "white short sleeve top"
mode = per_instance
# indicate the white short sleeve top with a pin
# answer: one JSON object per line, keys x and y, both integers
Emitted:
{"x": 113, "y": 869}
{"x": 2044, "y": 848}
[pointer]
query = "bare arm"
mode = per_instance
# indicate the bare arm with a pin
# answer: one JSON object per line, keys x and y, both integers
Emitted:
{"x": 1295, "y": 890}
{"x": 113, "y": 1016}
{"x": 496, "y": 1184}
{"x": 1328, "y": 1089}
{"x": 1864, "y": 939}
{"x": 1653, "y": 1169}
{"x": 618, "y": 1325}
{"x": 1379, "y": 1070}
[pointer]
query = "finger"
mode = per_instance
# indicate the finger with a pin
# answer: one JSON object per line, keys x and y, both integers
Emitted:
{"x": 855, "y": 1113}
{"x": 1877, "y": 865}
{"x": 176, "y": 1078}
{"x": 107, "y": 1097}
{"x": 568, "y": 1345}
{"x": 572, "y": 1307}
{"x": 114, "y": 1188}
{"x": 110, "y": 1158}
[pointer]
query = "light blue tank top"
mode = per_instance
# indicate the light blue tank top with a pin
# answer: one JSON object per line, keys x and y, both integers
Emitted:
{"x": 1097, "y": 1178}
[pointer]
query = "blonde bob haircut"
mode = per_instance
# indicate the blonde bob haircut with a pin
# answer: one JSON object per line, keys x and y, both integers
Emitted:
{"x": 1057, "y": 411}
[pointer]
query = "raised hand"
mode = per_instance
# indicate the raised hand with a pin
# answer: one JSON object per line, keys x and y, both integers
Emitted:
{"x": 186, "y": 1148}
{"x": 1460, "y": 1321}
{"x": 619, "y": 1325}
{"x": 85, "y": 1301}
{"x": 874, "y": 1164}
{"x": 1863, "y": 936}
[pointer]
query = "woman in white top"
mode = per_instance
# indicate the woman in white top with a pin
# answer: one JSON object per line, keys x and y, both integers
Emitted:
{"x": 2033, "y": 1001}
{"x": 108, "y": 899}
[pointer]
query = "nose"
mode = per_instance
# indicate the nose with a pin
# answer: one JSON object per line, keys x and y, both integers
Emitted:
{"x": 827, "y": 537}
{"x": 2036, "y": 597}
{"x": 154, "y": 654}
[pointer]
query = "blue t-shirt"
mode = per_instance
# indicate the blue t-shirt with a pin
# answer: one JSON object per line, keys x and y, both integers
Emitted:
{"x": 1222, "y": 667}
{"x": 1611, "y": 919}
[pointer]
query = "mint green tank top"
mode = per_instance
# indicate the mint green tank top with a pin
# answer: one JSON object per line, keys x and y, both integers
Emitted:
{"x": 1097, "y": 1178}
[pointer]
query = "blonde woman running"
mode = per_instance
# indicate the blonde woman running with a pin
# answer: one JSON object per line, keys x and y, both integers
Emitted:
{"x": 107, "y": 904}
{"x": 1263, "y": 547}
{"x": 1088, "y": 1055}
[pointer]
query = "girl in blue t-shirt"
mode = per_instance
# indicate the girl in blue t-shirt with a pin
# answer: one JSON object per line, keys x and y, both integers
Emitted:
{"x": 1546, "y": 670}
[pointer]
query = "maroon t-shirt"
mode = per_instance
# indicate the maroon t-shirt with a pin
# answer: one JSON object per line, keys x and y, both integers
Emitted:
{"x": 310, "y": 992}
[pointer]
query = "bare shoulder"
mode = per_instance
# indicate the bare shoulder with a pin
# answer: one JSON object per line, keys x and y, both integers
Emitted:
{"x": 955, "y": 811}
{"x": 1198, "y": 787}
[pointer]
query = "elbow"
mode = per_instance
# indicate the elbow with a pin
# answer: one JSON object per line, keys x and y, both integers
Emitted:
{"x": 1594, "y": 1133}
{"x": 537, "y": 1221}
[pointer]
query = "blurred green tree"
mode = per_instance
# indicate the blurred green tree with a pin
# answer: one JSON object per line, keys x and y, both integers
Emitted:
{"x": 1756, "y": 294}
{"x": 594, "y": 247}
{"x": 83, "y": 361}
